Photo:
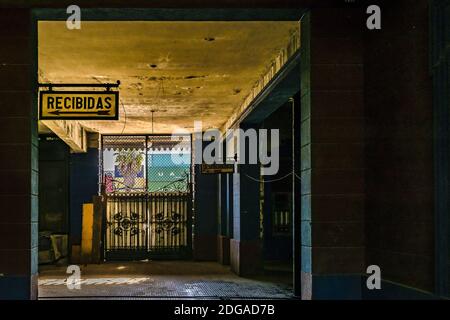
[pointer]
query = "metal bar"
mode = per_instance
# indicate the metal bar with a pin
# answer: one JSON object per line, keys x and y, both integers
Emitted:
{"x": 80, "y": 85}
{"x": 148, "y": 212}
{"x": 146, "y": 167}
{"x": 148, "y": 135}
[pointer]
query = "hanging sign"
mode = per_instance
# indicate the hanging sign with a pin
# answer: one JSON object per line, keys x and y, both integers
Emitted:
{"x": 79, "y": 105}
{"x": 217, "y": 168}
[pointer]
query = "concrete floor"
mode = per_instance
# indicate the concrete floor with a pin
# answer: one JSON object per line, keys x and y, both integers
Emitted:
{"x": 163, "y": 280}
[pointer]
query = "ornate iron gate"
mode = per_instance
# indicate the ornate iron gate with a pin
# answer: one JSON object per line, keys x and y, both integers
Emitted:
{"x": 148, "y": 197}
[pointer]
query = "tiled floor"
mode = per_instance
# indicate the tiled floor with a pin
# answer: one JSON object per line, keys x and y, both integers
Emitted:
{"x": 162, "y": 280}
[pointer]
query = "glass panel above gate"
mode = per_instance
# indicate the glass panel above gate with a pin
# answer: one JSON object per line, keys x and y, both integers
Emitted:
{"x": 146, "y": 163}
{"x": 168, "y": 164}
{"x": 124, "y": 163}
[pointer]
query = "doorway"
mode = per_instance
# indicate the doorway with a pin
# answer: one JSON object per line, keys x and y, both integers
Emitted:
{"x": 147, "y": 217}
{"x": 147, "y": 185}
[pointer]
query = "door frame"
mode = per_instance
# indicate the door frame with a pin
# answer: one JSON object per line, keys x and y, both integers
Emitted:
{"x": 166, "y": 14}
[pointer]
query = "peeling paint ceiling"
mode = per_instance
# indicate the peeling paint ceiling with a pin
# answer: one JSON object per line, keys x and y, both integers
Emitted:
{"x": 183, "y": 71}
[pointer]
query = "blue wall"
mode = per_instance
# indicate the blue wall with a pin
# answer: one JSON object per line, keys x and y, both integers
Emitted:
{"x": 205, "y": 203}
{"x": 83, "y": 186}
{"x": 205, "y": 215}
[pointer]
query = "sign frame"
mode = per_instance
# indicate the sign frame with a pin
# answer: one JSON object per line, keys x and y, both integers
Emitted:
{"x": 99, "y": 117}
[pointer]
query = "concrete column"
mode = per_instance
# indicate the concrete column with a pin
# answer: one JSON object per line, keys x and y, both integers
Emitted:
{"x": 332, "y": 154}
{"x": 245, "y": 247}
{"x": 223, "y": 240}
{"x": 83, "y": 186}
{"x": 404, "y": 176}
{"x": 296, "y": 195}
{"x": 18, "y": 159}
{"x": 229, "y": 205}
{"x": 205, "y": 219}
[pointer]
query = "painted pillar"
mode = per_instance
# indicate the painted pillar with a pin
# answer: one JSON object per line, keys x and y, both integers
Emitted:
{"x": 18, "y": 159}
{"x": 83, "y": 186}
{"x": 230, "y": 206}
{"x": 245, "y": 247}
{"x": 205, "y": 215}
{"x": 332, "y": 154}
{"x": 223, "y": 210}
{"x": 223, "y": 240}
{"x": 400, "y": 184}
{"x": 296, "y": 195}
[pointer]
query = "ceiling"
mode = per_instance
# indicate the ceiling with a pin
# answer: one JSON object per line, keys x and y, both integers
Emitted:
{"x": 183, "y": 71}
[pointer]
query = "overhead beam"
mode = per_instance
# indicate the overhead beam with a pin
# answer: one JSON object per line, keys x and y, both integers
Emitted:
{"x": 277, "y": 71}
{"x": 71, "y": 132}
{"x": 173, "y": 14}
{"x": 282, "y": 87}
